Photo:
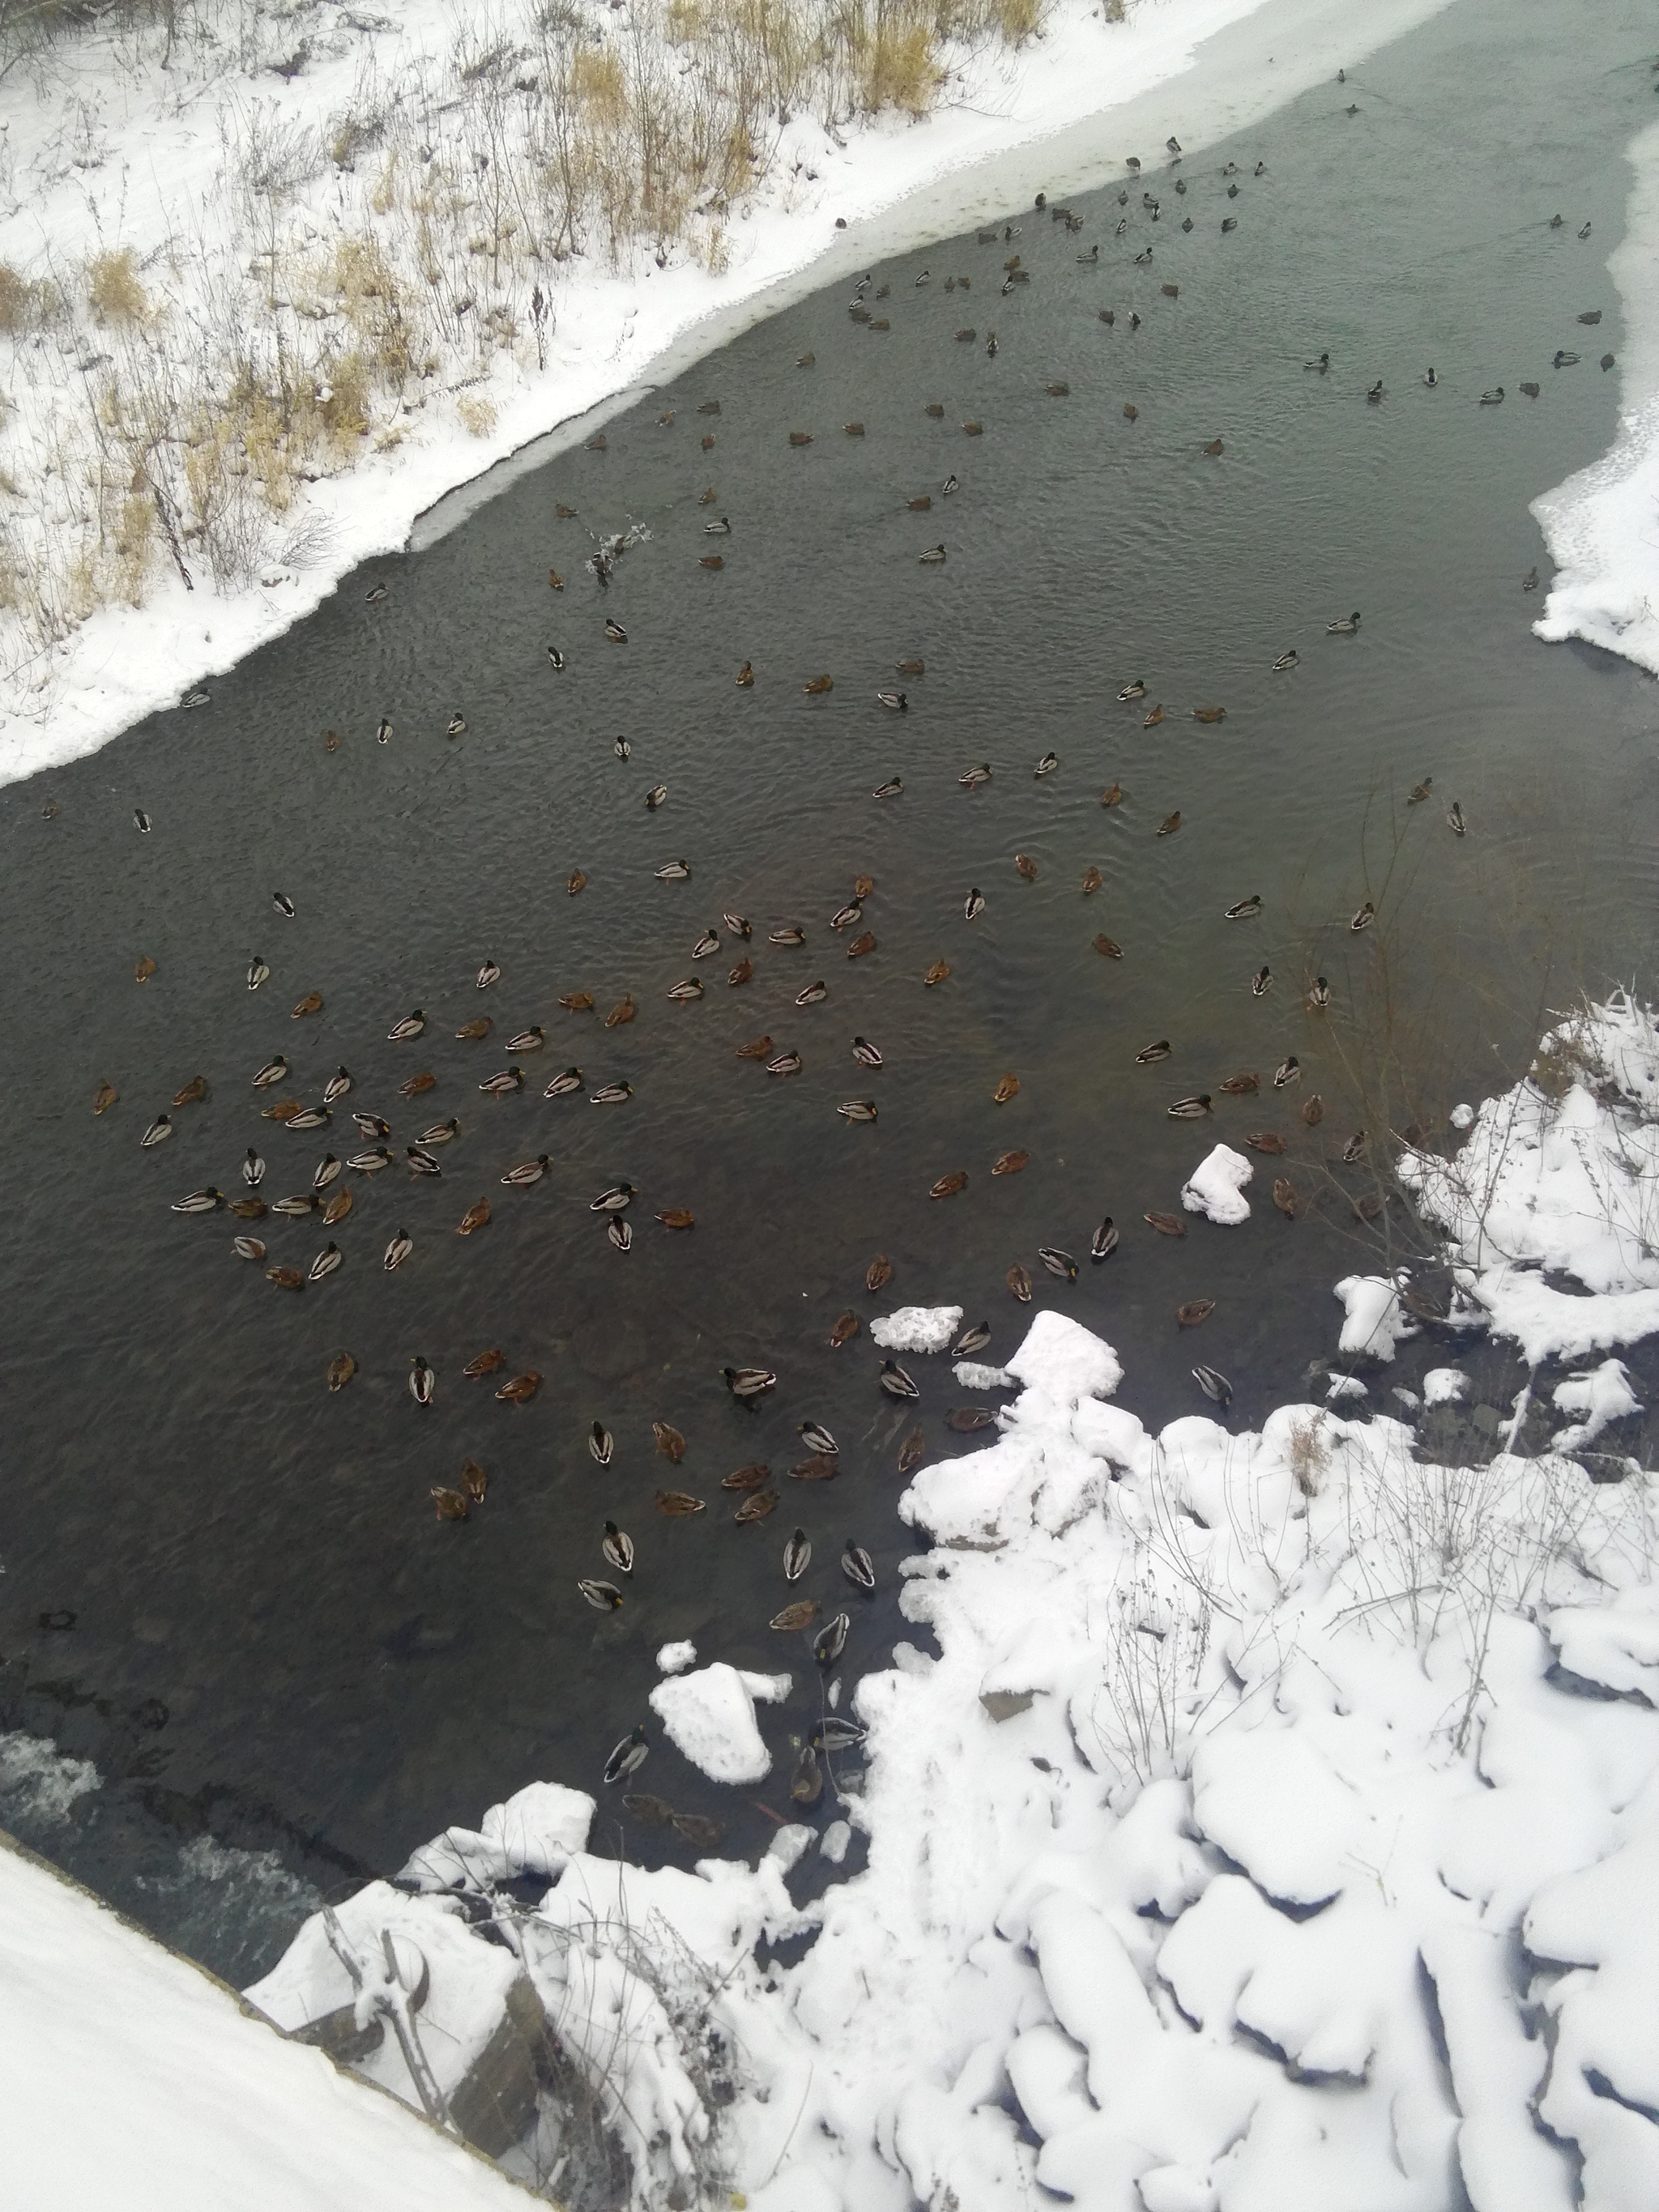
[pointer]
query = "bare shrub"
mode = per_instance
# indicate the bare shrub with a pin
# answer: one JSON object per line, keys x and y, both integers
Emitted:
{"x": 477, "y": 413}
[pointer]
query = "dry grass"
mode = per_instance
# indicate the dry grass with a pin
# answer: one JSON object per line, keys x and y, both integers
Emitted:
{"x": 113, "y": 291}
{"x": 216, "y": 375}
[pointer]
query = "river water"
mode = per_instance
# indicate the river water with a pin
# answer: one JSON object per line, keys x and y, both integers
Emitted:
{"x": 274, "y": 1642}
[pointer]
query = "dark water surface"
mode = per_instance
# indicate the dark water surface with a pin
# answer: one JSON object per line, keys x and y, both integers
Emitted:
{"x": 274, "y": 1639}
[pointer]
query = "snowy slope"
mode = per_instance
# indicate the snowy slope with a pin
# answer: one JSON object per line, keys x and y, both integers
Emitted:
{"x": 133, "y": 2078}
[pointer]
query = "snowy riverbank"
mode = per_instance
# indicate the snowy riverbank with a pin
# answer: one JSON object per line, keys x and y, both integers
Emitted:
{"x": 165, "y": 227}
{"x": 1598, "y": 524}
{"x": 1275, "y": 1825}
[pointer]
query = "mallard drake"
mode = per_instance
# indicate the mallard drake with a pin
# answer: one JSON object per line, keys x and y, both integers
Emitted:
{"x": 1285, "y": 662}
{"x": 1046, "y": 766}
{"x": 423, "y": 1382}
{"x": 615, "y": 631}
{"x": 895, "y": 1382}
{"x": 973, "y": 905}
{"x": 1190, "y": 1109}
{"x": 748, "y": 1383}
{"x": 158, "y": 1133}
{"x": 409, "y": 1026}
{"x": 797, "y": 1556}
{"x": 258, "y": 973}
{"x": 972, "y": 778}
{"x": 1135, "y": 691}
{"x": 1362, "y": 917}
{"x": 397, "y": 1250}
{"x": 1103, "y": 1242}
{"x": 1493, "y": 399}
{"x": 1245, "y": 910}
{"x": 890, "y": 789}
{"x": 861, "y": 1569}
{"x": 619, "y": 1196}
{"x": 895, "y": 701}
{"x": 527, "y": 1172}
{"x": 325, "y": 1262}
{"x": 284, "y": 904}
{"x": 630, "y": 1753}
{"x": 1214, "y": 1385}
{"x": 618, "y": 1549}
{"x": 1344, "y": 626}
{"x": 1455, "y": 821}
{"x": 248, "y": 1247}
{"x": 199, "y": 1202}
{"x": 1261, "y": 982}
{"x": 1058, "y": 1263}
{"x": 504, "y": 1079}
{"x": 933, "y": 557}
{"x": 601, "y": 1444}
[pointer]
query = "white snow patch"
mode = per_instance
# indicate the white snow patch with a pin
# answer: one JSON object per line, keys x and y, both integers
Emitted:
{"x": 1462, "y": 1117}
{"x": 1216, "y": 1186}
{"x": 916, "y": 1329}
{"x": 710, "y": 1717}
{"x": 1444, "y": 1385}
{"x": 1344, "y": 1386}
{"x": 1601, "y": 1394}
{"x": 675, "y": 1658}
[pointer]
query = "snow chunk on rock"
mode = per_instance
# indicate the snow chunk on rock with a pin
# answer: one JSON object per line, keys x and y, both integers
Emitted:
{"x": 675, "y": 1658}
{"x": 1275, "y": 1804}
{"x": 1344, "y": 1386}
{"x": 1602, "y": 1394}
{"x": 1217, "y": 1186}
{"x": 1444, "y": 1385}
{"x": 1376, "y": 1321}
{"x": 710, "y": 1717}
{"x": 538, "y": 1830}
{"x": 917, "y": 1329}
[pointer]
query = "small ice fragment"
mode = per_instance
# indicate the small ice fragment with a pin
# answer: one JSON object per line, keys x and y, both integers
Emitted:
{"x": 1344, "y": 1386}
{"x": 834, "y": 1840}
{"x": 1216, "y": 1186}
{"x": 917, "y": 1329}
{"x": 1462, "y": 1117}
{"x": 675, "y": 1658}
{"x": 972, "y": 1376}
{"x": 1444, "y": 1385}
{"x": 1408, "y": 1398}
{"x": 788, "y": 1845}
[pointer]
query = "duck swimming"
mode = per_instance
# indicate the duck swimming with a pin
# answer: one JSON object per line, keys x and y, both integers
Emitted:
{"x": 506, "y": 1079}
{"x": 673, "y": 872}
{"x": 895, "y": 701}
{"x": 258, "y": 973}
{"x": 890, "y": 789}
{"x": 1319, "y": 993}
{"x": 1103, "y": 1242}
{"x": 895, "y": 1382}
{"x": 410, "y": 1026}
{"x": 456, "y": 727}
{"x": 526, "y": 1172}
{"x": 1364, "y": 917}
{"x": 861, "y": 1569}
{"x": 325, "y": 1262}
{"x": 1150, "y": 1052}
{"x": 1344, "y": 626}
{"x": 423, "y": 1382}
{"x": 973, "y": 906}
{"x": 397, "y": 1250}
{"x": 254, "y": 1169}
{"x": 371, "y": 1126}
{"x": 615, "y": 632}
{"x": 1135, "y": 691}
{"x": 971, "y": 779}
{"x": 1190, "y": 1109}
{"x": 1287, "y": 661}
{"x": 157, "y": 1133}
{"x": 748, "y": 1383}
{"x": 336, "y": 1086}
{"x": 797, "y": 1556}
{"x": 1455, "y": 821}
{"x": 617, "y": 1548}
{"x": 284, "y": 904}
{"x": 1246, "y": 910}
{"x": 273, "y": 1071}
{"x": 613, "y": 1200}
{"x": 1047, "y": 765}
{"x": 1058, "y": 1263}
{"x": 866, "y": 1054}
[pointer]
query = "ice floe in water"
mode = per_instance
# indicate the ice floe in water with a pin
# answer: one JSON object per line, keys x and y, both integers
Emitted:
{"x": 1258, "y": 1796}
{"x": 1216, "y": 1186}
{"x": 916, "y": 1329}
{"x": 675, "y": 1658}
{"x": 710, "y": 1717}
{"x": 1444, "y": 1385}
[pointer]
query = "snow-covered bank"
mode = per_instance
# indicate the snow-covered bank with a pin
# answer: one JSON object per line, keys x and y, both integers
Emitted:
{"x": 1599, "y": 525}
{"x": 1275, "y": 1826}
{"x": 208, "y": 191}
{"x": 133, "y": 2078}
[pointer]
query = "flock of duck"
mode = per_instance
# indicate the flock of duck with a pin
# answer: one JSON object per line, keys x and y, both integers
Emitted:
{"x": 330, "y": 1197}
